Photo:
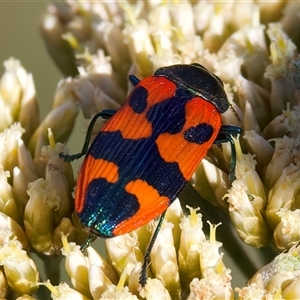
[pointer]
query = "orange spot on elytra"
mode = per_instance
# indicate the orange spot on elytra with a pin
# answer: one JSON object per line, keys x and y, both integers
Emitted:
{"x": 175, "y": 148}
{"x": 151, "y": 206}
{"x": 131, "y": 125}
{"x": 92, "y": 169}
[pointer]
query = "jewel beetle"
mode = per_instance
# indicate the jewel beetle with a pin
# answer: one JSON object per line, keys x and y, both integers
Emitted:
{"x": 148, "y": 149}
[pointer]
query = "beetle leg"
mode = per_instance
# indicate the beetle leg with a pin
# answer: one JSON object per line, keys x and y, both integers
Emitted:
{"x": 88, "y": 241}
{"x": 105, "y": 114}
{"x": 225, "y": 135}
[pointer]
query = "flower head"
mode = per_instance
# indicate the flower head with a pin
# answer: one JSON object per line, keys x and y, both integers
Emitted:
{"x": 253, "y": 48}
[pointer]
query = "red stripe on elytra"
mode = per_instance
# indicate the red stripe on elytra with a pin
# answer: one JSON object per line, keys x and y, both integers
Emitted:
{"x": 93, "y": 168}
{"x": 175, "y": 148}
{"x": 134, "y": 125}
{"x": 150, "y": 202}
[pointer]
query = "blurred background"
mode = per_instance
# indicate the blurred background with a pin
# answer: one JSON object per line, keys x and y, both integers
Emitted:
{"x": 20, "y": 38}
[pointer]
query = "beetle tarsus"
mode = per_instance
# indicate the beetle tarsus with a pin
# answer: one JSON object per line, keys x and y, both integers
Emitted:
{"x": 69, "y": 158}
{"x": 143, "y": 274}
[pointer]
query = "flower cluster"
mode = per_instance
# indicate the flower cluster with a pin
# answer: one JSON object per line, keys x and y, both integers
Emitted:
{"x": 181, "y": 255}
{"x": 253, "y": 47}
